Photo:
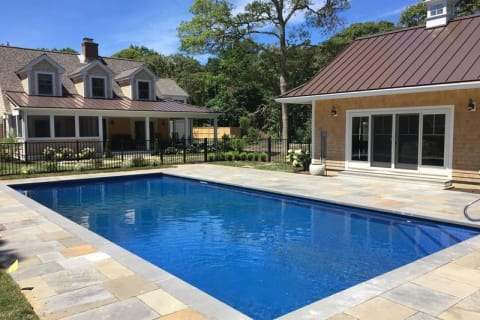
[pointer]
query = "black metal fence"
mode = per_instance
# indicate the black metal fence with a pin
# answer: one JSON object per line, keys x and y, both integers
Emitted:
{"x": 43, "y": 157}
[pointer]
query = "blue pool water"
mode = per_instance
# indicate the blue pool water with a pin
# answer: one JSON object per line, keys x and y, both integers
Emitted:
{"x": 264, "y": 254}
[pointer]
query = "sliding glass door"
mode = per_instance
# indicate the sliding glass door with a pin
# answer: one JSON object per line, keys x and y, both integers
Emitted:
{"x": 400, "y": 140}
{"x": 382, "y": 141}
{"x": 406, "y": 146}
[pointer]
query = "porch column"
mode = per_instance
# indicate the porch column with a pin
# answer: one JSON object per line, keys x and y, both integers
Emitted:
{"x": 100, "y": 132}
{"x": 315, "y": 158}
{"x": 215, "y": 130}
{"x": 147, "y": 133}
{"x": 187, "y": 129}
{"x": 24, "y": 127}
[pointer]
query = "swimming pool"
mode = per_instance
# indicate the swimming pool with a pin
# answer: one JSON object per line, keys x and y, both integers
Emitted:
{"x": 262, "y": 253}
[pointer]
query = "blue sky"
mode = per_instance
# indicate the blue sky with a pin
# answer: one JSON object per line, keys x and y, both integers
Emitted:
{"x": 115, "y": 24}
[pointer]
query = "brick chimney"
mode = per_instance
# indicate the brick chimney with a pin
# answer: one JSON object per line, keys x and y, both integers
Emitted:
{"x": 89, "y": 50}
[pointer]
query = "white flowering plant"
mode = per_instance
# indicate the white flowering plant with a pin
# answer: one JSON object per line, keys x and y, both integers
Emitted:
{"x": 299, "y": 158}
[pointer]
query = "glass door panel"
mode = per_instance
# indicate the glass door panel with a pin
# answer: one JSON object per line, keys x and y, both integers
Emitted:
{"x": 407, "y": 130}
{"x": 382, "y": 141}
{"x": 360, "y": 138}
{"x": 433, "y": 140}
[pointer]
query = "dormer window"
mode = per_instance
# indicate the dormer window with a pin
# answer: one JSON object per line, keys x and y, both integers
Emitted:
{"x": 98, "y": 87}
{"x": 143, "y": 89}
{"x": 437, "y": 10}
{"x": 45, "y": 84}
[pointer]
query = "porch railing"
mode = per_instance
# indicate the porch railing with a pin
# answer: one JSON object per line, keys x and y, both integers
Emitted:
{"x": 43, "y": 157}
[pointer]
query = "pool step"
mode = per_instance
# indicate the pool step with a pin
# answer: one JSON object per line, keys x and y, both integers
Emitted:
{"x": 438, "y": 181}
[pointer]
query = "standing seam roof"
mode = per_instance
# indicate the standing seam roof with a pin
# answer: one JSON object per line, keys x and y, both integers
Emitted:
{"x": 404, "y": 58}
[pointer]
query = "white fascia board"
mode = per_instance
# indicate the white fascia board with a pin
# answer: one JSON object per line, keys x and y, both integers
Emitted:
{"x": 120, "y": 113}
{"x": 380, "y": 92}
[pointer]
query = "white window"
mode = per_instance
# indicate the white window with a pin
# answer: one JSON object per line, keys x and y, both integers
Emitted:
{"x": 98, "y": 87}
{"x": 143, "y": 90}
{"x": 45, "y": 84}
{"x": 437, "y": 10}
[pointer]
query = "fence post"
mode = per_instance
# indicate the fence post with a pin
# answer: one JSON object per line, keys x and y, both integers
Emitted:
{"x": 205, "y": 149}
{"x": 269, "y": 149}
{"x": 25, "y": 151}
{"x": 76, "y": 152}
{"x": 184, "y": 150}
{"x": 161, "y": 153}
{"x": 121, "y": 149}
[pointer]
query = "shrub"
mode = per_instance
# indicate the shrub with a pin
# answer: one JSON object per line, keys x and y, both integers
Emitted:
{"x": 27, "y": 170}
{"x": 263, "y": 157}
{"x": 97, "y": 163}
{"x": 250, "y": 156}
{"x": 80, "y": 167}
{"x": 237, "y": 144}
{"x": 127, "y": 163}
{"x": 67, "y": 153}
{"x": 243, "y": 156}
{"x": 211, "y": 157}
{"x": 51, "y": 167}
{"x": 87, "y": 153}
{"x": 256, "y": 156}
{"x": 49, "y": 153}
{"x": 171, "y": 150}
{"x": 193, "y": 148}
{"x": 252, "y": 134}
{"x": 139, "y": 161}
{"x": 299, "y": 158}
{"x": 236, "y": 155}
{"x": 229, "y": 156}
{"x": 108, "y": 149}
{"x": 225, "y": 145}
{"x": 156, "y": 147}
{"x": 220, "y": 156}
{"x": 156, "y": 162}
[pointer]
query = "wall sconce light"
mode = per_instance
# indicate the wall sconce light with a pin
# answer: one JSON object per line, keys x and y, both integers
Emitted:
{"x": 472, "y": 105}
{"x": 334, "y": 111}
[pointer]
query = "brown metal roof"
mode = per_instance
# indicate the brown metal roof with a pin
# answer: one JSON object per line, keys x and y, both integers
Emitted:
{"x": 23, "y": 100}
{"x": 405, "y": 58}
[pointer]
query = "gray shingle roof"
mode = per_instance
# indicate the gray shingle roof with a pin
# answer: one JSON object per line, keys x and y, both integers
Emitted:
{"x": 168, "y": 87}
{"x": 13, "y": 59}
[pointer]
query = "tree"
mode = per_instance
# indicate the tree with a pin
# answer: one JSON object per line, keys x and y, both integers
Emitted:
{"x": 214, "y": 27}
{"x": 414, "y": 15}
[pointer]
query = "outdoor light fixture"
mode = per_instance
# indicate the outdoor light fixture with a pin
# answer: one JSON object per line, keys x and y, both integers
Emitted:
{"x": 334, "y": 111}
{"x": 472, "y": 105}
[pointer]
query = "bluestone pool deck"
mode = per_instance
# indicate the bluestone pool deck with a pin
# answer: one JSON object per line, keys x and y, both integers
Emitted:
{"x": 72, "y": 273}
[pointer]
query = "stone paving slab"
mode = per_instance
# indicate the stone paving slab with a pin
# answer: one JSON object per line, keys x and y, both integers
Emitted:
{"x": 66, "y": 265}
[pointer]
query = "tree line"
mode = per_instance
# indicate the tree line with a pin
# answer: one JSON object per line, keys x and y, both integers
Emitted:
{"x": 245, "y": 72}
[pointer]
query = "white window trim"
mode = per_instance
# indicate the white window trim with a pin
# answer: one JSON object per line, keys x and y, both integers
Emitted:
{"x": 448, "y": 110}
{"x": 53, "y": 83}
{"x": 104, "y": 88}
{"x": 149, "y": 90}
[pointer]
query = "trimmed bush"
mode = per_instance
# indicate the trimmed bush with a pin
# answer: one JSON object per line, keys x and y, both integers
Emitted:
{"x": 250, "y": 156}
{"x": 139, "y": 161}
{"x": 211, "y": 157}
{"x": 263, "y": 157}
{"x": 243, "y": 156}
{"x": 171, "y": 150}
{"x": 67, "y": 153}
{"x": 49, "y": 153}
{"x": 229, "y": 156}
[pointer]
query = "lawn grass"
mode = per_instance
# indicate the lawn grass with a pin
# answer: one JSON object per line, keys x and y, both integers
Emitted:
{"x": 13, "y": 304}
{"x": 271, "y": 166}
